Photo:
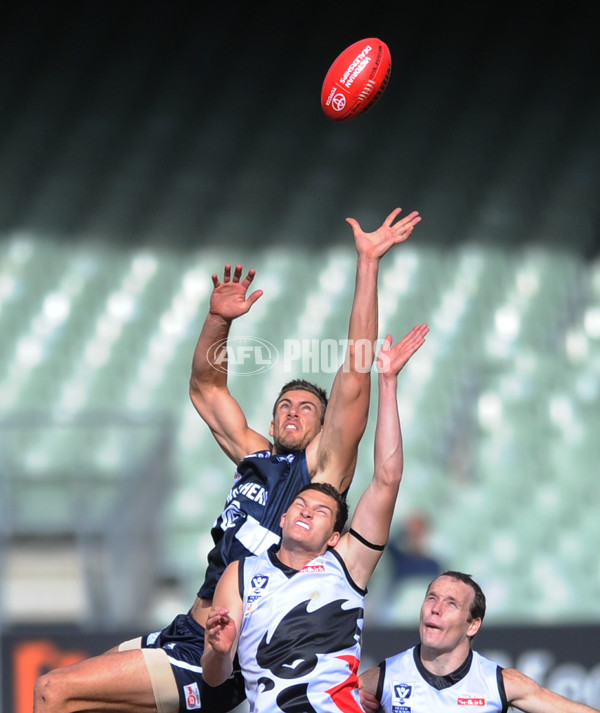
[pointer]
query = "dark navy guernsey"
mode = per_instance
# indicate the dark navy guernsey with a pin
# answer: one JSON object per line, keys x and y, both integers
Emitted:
{"x": 264, "y": 487}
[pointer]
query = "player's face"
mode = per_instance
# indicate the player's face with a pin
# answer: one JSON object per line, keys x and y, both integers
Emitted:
{"x": 445, "y": 622}
{"x": 310, "y": 521}
{"x": 296, "y": 422}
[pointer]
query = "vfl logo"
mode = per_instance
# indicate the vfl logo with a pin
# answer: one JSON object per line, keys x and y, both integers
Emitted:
{"x": 402, "y": 692}
{"x": 259, "y": 583}
{"x": 242, "y": 355}
{"x": 338, "y": 102}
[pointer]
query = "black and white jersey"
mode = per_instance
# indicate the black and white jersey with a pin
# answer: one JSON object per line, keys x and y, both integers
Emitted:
{"x": 300, "y": 639}
{"x": 405, "y": 686}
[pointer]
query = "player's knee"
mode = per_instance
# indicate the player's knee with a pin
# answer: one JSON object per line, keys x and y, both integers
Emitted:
{"x": 46, "y": 695}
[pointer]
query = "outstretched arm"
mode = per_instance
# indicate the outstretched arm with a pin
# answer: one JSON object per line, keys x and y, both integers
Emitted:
{"x": 525, "y": 694}
{"x": 332, "y": 455}
{"x": 373, "y": 515}
{"x": 208, "y": 383}
{"x": 222, "y": 629}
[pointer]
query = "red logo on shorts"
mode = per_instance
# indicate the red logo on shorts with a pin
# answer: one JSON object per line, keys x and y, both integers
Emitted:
{"x": 192, "y": 696}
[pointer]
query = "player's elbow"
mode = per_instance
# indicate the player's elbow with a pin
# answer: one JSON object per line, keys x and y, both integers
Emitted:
{"x": 359, "y": 360}
{"x": 389, "y": 474}
{"x": 389, "y": 458}
{"x": 195, "y": 390}
{"x": 203, "y": 397}
{"x": 49, "y": 695}
{"x": 213, "y": 680}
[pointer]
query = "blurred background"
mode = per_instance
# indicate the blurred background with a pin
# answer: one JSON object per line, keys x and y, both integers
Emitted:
{"x": 145, "y": 144}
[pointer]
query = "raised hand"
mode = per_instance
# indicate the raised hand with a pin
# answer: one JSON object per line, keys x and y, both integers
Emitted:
{"x": 228, "y": 299}
{"x": 374, "y": 246}
{"x": 391, "y": 359}
{"x": 220, "y": 630}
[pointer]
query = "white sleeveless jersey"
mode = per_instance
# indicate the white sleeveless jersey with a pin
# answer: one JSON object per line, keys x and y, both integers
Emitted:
{"x": 300, "y": 637}
{"x": 405, "y": 686}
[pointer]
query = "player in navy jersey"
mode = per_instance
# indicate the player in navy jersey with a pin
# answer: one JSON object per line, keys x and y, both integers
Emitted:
{"x": 293, "y": 615}
{"x": 443, "y": 674}
{"x": 309, "y": 439}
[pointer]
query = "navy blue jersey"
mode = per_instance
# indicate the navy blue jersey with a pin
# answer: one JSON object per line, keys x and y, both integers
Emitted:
{"x": 265, "y": 485}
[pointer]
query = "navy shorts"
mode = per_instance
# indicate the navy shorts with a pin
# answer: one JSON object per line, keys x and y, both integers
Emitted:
{"x": 183, "y": 642}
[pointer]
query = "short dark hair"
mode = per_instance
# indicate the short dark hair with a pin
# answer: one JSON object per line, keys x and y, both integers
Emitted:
{"x": 303, "y": 385}
{"x": 477, "y": 609}
{"x": 341, "y": 516}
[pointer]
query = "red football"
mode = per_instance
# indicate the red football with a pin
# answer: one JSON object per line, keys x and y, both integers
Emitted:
{"x": 356, "y": 79}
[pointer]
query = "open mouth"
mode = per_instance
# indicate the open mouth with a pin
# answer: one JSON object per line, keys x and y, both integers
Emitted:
{"x": 305, "y": 525}
{"x": 432, "y": 626}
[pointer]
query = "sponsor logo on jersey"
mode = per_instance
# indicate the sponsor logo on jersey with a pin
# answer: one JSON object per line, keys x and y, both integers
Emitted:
{"x": 151, "y": 638}
{"x": 313, "y": 569}
{"x": 192, "y": 696}
{"x": 471, "y": 701}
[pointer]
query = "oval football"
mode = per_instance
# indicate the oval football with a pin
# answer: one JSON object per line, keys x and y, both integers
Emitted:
{"x": 356, "y": 79}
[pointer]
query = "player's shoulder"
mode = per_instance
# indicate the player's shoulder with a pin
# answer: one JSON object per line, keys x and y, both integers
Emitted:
{"x": 517, "y": 684}
{"x": 262, "y": 453}
{"x": 406, "y": 653}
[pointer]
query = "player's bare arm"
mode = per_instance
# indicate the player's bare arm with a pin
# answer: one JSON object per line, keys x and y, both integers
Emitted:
{"x": 332, "y": 457}
{"x": 368, "y": 681}
{"x": 527, "y": 695}
{"x": 373, "y": 515}
{"x": 222, "y": 628}
{"x": 208, "y": 385}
